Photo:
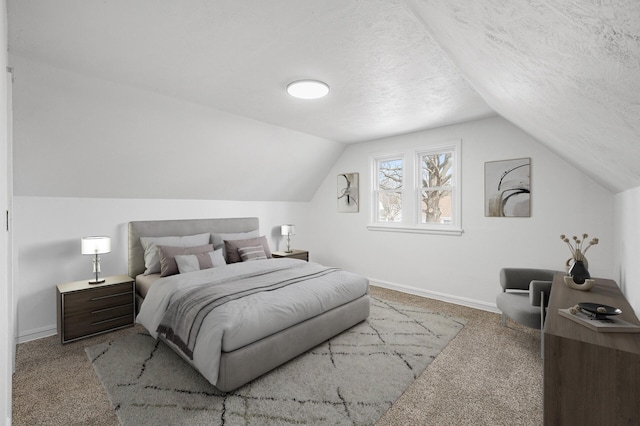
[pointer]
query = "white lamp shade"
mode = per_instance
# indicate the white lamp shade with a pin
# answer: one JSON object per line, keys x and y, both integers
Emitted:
{"x": 288, "y": 230}
{"x": 96, "y": 245}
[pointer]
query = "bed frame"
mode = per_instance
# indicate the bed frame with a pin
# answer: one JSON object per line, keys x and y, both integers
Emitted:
{"x": 249, "y": 362}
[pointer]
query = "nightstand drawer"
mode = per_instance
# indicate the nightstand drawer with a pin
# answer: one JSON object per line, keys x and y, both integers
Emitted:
{"x": 99, "y": 298}
{"x": 88, "y": 323}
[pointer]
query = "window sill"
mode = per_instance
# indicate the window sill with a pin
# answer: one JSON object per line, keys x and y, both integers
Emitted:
{"x": 415, "y": 230}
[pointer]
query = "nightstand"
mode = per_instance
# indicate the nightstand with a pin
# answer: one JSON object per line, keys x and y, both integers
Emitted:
{"x": 295, "y": 254}
{"x": 88, "y": 309}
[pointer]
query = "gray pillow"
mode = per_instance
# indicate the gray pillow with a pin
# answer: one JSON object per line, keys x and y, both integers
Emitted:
{"x": 231, "y": 247}
{"x": 168, "y": 264}
{"x": 152, "y": 255}
{"x": 219, "y": 239}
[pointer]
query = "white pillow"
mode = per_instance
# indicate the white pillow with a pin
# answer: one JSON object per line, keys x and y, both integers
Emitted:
{"x": 196, "y": 262}
{"x": 152, "y": 255}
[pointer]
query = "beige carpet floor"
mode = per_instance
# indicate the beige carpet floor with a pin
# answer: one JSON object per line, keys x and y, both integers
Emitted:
{"x": 488, "y": 375}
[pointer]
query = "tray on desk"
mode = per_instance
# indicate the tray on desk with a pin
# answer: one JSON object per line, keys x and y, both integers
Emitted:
{"x": 610, "y": 325}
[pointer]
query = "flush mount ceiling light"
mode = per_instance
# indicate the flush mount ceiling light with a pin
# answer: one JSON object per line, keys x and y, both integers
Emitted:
{"x": 308, "y": 89}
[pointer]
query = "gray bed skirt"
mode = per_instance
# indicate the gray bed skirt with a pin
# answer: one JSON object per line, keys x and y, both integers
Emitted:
{"x": 245, "y": 364}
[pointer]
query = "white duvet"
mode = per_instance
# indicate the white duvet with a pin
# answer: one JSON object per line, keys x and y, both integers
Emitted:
{"x": 246, "y": 320}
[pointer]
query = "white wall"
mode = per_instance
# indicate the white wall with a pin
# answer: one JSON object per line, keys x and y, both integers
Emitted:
{"x": 6, "y": 298}
{"x": 627, "y": 233}
{"x": 48, "y": 231}
{"x": 465, "y": 268}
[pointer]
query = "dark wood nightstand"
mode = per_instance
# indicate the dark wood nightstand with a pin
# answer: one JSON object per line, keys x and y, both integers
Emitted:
{"x": 295, "y": 254}
{"x": 88, "y": 309}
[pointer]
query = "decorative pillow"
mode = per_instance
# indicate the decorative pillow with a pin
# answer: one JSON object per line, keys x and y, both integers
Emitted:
{"x": 251, "y": 253}
{"x": 196, "y": 262}
{"x": 168, "y": 264}
{"x": 231, "y": 247}
{"x": 219, "y": 239}
{"x": 152, "y": 255}
{"x": 218, "y": 258}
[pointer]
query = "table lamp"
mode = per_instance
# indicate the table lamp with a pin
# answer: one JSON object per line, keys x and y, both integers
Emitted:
{"x": 288, "y": 230}
{"x": 95, "y": 246}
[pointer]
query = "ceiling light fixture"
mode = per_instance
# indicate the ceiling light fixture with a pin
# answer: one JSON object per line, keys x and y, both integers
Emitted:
{"x": 308, "y": 89}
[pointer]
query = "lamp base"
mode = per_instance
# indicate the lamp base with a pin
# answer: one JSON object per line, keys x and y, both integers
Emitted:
{"x": 96, "y": 281}
{"x": 288, "y": 251}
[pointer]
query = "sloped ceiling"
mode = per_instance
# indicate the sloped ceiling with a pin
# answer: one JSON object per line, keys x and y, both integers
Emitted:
{"x": 565, "y": 71}
{"x": 387, "y": 75}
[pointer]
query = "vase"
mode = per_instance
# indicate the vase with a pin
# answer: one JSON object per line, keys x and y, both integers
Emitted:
{"x": 578, "y": 255}
{"x": 579, "y": 272}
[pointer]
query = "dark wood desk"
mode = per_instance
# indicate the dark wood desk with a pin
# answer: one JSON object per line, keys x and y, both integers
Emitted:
{"x": 590, "y": 377}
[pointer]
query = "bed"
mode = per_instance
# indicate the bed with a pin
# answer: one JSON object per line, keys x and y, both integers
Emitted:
{"x": 298, "y": 304}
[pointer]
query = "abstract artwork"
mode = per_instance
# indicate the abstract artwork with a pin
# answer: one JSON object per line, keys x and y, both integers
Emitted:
{"x": 348, "y": 193}
{"x": 507, "y": 188}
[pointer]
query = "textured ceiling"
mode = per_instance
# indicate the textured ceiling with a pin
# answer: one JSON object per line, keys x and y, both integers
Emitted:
{"x": 567, "y": 72}
{"x": 386, "y": 73}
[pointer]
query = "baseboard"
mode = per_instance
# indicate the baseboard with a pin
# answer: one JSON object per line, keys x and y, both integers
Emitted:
{"x": 37, "y": 333}
{"x": 471, "y": 303}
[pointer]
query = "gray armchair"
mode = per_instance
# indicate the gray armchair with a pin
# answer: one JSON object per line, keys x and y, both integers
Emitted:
{"x": 525, "y": 295}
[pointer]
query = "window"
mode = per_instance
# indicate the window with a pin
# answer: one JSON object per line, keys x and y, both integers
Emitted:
{"x": 435, "y": 186}
{"x": 425, "y": 198}
{"x": 388, "y": 192}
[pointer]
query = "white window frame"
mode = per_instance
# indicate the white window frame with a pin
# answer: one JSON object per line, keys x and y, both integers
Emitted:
{"x": 411, "y": 192}
{"x": 376, "y": 191}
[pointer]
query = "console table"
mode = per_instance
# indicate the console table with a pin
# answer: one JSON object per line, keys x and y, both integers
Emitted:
{"x": 590, "y": 377}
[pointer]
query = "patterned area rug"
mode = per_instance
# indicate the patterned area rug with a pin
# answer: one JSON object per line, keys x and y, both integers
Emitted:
{"x": 352, "y": 379}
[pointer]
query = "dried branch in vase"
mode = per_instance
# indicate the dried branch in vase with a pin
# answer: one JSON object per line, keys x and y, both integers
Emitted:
{"x": 576, "y": 245}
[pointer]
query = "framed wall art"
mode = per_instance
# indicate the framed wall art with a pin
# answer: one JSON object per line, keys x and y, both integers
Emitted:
{"x": 507, "y": 188}
{"x": 348, "y": 193}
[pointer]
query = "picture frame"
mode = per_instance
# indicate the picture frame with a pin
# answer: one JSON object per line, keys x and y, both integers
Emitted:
{"x": 348, "y": 193}
{"x": 507, "y": 188}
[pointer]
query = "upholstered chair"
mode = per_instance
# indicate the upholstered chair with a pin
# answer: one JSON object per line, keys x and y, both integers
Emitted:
{"x": 525, "y": 295}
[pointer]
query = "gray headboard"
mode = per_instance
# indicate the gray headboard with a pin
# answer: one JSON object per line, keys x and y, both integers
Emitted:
{"x": 174, "y": 228}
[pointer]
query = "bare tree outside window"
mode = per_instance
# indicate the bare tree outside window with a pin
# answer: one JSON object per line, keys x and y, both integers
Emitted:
{"x": 436, "y": 171}
{"x": 389, "y": 181}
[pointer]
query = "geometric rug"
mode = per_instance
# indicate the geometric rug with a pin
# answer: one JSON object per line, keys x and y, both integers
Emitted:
{"x": 351, "y": 379}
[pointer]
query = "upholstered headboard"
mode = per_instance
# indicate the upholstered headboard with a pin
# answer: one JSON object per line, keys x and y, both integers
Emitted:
{"x": 171, "y": 228}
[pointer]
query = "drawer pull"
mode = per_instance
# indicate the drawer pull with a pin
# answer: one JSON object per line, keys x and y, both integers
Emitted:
{"x": 110, "y": 295}
{"x": 110, "y": 320}
{"x": 97, "y": 311}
